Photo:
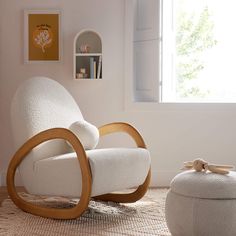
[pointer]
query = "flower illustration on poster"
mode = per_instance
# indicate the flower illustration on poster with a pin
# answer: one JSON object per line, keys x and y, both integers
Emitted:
{"x": 43, "y": 37}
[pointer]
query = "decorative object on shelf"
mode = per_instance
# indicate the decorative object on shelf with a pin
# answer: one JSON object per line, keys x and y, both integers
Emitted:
{"x": 200, "y": 164}
{"x": 84, "y": 48}
{"x": 82, "y": 74}
{"x": 88, "y": 55}
{"x": 82, "y": 70}
{"x": 79, "y": 75}
{"x": 42, "y": 35}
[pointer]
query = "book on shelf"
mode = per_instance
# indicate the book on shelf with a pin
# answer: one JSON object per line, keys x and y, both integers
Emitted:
{"x": 99, "y": 67}
{"x": 91, "y": 66}
{"x": 94, "y": 69}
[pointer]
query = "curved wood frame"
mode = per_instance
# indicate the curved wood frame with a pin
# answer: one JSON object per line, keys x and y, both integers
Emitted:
{"x": 142, "y": 189}
{"x": 46, "y": 135}
{"x": 66, "y": 134}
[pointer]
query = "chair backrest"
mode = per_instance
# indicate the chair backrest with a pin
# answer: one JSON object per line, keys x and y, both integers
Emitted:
{"x": 41, "y": 103}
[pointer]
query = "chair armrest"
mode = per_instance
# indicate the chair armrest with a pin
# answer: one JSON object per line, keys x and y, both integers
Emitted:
{"x": 123, "y": 127}
{"x": 55, "y": 133}
{"x": 142, "y": 189}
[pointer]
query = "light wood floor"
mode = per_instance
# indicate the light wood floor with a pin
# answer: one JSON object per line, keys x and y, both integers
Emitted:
{"x": 4, "y": 194}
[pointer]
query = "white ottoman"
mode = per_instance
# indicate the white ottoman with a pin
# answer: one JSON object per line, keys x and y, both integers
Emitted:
{"x": 202, "y": 204}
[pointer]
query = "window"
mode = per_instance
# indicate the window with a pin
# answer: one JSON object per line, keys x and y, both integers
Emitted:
{"x": 198, "y": 51}
{"x": 180, "y": 51}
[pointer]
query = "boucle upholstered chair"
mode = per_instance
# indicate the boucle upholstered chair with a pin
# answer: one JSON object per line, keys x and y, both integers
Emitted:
{"x": 43, "y": 110}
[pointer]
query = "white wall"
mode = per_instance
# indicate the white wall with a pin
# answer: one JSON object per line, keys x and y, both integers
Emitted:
{"x": 173, "y": 134}
{"x": 100, "y": 101}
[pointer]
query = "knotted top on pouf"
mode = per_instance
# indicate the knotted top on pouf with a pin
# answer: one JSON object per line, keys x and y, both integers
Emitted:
{"x": 205, "y": 185}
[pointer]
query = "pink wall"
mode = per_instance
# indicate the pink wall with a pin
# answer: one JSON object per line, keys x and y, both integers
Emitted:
{"x": 173, "y": 134}
{"x": 94, "y": 97}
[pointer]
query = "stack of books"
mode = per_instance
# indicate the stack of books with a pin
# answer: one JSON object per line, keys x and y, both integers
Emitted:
{"x": 95, "y": 67}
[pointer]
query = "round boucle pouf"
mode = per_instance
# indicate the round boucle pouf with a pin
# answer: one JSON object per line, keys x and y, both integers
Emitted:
{"x": 202, "y": 204}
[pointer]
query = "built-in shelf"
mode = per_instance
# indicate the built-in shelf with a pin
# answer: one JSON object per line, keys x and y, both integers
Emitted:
{"x": 87, "y": 55}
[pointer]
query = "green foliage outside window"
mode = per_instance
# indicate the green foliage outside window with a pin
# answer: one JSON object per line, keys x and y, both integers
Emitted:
{"x": 194, "y": 36}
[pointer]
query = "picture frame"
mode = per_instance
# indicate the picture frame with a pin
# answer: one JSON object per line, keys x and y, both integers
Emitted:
{"x": 42, "y": 36}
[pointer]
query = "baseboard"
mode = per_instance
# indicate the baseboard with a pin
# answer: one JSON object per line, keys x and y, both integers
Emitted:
{"x": 158, "y": 179}
{"x": 3, "y": 176}
{"x": 162, "y": 178}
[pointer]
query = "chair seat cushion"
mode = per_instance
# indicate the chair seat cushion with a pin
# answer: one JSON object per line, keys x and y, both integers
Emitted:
{"x": 112, "y": 169}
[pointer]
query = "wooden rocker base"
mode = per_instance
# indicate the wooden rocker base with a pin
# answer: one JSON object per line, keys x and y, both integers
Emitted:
{"x": 82, "y": 205}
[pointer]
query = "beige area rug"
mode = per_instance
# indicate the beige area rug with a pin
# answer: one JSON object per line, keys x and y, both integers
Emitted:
{"x": 145, "y": 217}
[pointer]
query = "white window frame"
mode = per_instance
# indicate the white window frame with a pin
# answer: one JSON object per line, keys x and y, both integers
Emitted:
{"x": 129, "y": 103}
